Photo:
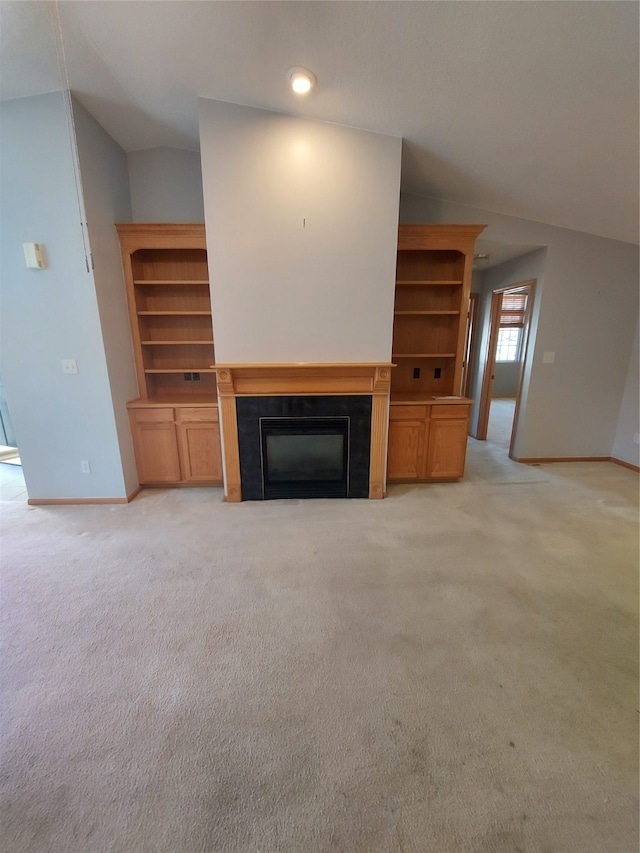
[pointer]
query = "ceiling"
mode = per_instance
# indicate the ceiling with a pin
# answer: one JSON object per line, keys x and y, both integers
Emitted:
{"x": 523, "y": 108}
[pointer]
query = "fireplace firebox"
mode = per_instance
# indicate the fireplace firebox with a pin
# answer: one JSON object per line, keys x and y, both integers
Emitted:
{"x": 305, "y": 457}
{"x": 304, "y": 447}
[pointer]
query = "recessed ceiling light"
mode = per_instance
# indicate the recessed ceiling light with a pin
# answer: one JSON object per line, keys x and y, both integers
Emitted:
{"x": 302, "y": 80}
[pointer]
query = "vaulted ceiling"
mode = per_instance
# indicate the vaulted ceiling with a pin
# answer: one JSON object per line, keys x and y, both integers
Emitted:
{"x": 524, "y": 108}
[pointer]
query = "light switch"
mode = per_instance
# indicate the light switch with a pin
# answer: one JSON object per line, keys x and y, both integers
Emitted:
{"x": 69, "y": 365}
{"x": 548, "y": 357}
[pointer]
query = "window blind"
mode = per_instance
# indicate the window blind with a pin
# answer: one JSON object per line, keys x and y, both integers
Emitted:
{"x": 513, "y": 309}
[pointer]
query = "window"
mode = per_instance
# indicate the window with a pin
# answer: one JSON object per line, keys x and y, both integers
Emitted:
{"x": 512, "y": 316}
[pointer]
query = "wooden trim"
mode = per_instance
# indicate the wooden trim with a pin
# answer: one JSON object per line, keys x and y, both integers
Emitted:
{"x": 469, "y": 342}
{"x": 154, "y": 235}
{"x": 303, "y": 379}
{"x": 134, "y": 494}
{"x": 379, "y": 427}
{"x": 625, "y": 464}
{"x": 490, "y": 360}
{"x": 537, "y": 460}
{"x": 207, "y": 402}
{"x": 184, "y": 484}
{"x": 439, "y": 237}
{"x": 524, "y": 351}
{"x": 78, "y": 501}
{"x": 229, "y": 436}
{"x": 487, "y": 376}
{"x": 297, "y": 365}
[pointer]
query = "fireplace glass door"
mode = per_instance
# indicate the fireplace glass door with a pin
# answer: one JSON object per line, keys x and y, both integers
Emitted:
{"x": 305, "y": 457}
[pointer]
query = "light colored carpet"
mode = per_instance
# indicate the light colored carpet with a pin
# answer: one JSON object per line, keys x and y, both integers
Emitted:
{"x": 501, "y": 413}
{"x": 451, "y": 669}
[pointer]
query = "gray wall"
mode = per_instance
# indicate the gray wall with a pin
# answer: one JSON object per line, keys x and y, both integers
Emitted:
{"x": 166, "y": 185}
{"x": 506, "y": 375}
{"x": 302, "y": 223}
{"x": 624, "y": 446}
{"x": 105, "y": 185}
{"x": 586, "y": 312}
{"x": 52, "y": 314}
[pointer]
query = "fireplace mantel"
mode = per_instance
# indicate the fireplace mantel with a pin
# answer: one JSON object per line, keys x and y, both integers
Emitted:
{"x": 303, "y": 379}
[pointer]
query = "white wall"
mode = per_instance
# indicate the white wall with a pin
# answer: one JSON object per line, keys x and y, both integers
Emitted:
{"x": 588, "y": 312}
{"x": 302, "y": 235}
{"x": 166, "y": 185}
{"x": 105, "y": 185}
{"x": 52, "y": 314}
{"x": 628, "y": 425}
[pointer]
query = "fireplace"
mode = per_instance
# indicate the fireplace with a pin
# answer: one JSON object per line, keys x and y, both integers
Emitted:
{"x": 326, "y": 423}
{"x": 304, "y": 447}
{"x": 305, "y": 457}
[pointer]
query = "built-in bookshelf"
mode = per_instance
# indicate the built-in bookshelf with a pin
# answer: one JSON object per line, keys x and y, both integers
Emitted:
{"x": 167, "y": 280}
{"x": 433, "y": 279}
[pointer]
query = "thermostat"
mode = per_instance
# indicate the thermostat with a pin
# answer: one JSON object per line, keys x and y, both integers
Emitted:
{"x": 33, "y": 255}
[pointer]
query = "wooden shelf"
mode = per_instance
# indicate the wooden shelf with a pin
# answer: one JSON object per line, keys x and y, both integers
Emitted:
{"x": 424, "y": 355}
{"x": 420, "y": 398}
{"x": 151, "y": 281}
{"x": 428, "y": 282}
{"x": 179, "y": 370}
{"x": 174, "y": 343}
{"x": 174, "y": 313}
{"x": 167, "y": 281}
{"x": 417, "y": 313}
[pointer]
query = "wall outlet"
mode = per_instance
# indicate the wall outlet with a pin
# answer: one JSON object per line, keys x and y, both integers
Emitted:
{"x": 69, "y": 365}
{"x": 85, "y": 467}
{"x": 548, "y": 357}
{"x": 636, "y": 438}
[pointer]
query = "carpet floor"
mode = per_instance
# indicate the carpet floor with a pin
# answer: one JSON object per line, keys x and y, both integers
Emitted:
{"x": 451, "y": 669}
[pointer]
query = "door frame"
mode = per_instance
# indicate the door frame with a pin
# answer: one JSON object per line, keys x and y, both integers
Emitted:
{"x": 470, "y": 340}
{"x": 490, "y": 358}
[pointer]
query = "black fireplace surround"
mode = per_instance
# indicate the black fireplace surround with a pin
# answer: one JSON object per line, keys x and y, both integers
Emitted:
{"x": 304, "y": 447}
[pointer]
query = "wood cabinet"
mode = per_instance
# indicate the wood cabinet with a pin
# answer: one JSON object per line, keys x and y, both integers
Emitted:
{"x": 427, "y": 442}
{"x": 447, "y": 450}
{"x": 176, "y": 445}
{"x": 407, "y": 442}
{"x": 154, "y": 443}
{"x": 428, "y": 434}
{"x": 198, "y": 435}
{"x": 175, "y": 420}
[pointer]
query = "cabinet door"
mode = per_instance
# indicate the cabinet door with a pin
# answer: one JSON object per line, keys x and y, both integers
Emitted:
{"x": 156, "y": 452}
{"x": 447, "y": 448}
{"x": 406, "y": 449}
{"x": 200, "y": 451}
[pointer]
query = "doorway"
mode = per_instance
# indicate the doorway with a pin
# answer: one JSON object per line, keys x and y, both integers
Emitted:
{"x": 12, "y": 484}
{"x": 508, "y": 338}
{"x": 8, "y": 444}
